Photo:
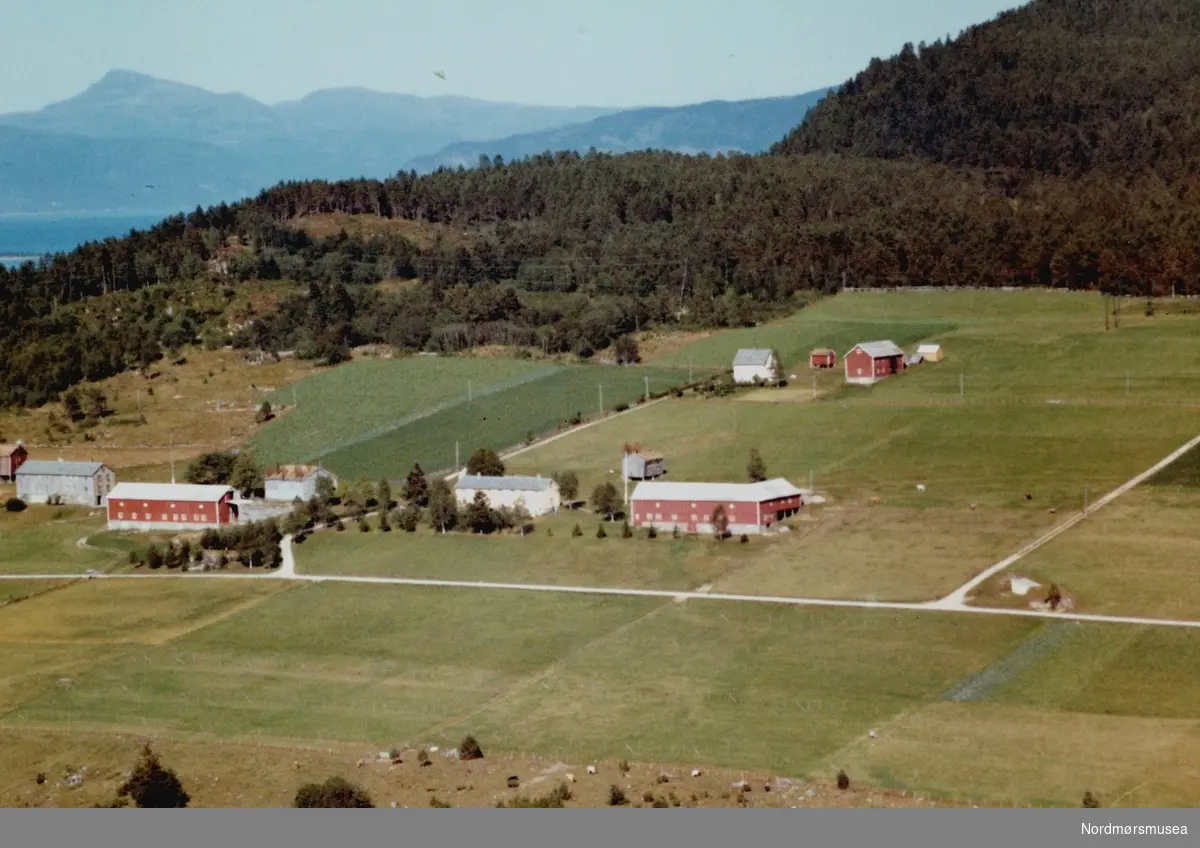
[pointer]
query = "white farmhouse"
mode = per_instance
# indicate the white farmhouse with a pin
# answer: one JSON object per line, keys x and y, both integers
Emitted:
{"x": 755, "y": 363}
{"x": 41, "y": 481}
{"x": 539, "y": 495}
{"x": 288, "y": 482}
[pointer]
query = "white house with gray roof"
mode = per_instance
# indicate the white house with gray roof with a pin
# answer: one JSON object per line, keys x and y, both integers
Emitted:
{"x": 41, "y": 481}
{"x": 752, "y": 363}
{"x": 539, "y": 495}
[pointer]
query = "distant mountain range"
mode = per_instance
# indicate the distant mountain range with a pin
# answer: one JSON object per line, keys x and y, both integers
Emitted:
{"x": 718, "y": 126}
{"x": 134, "y": 142}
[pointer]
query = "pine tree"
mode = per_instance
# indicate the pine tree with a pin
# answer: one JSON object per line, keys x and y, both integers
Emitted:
{"x": 384, "y": 494}
{"x": 152, "y": 786}
{"x": 478, "y": 516}
{"x": 756, "y": 470}
{"x": 416, "y": 488}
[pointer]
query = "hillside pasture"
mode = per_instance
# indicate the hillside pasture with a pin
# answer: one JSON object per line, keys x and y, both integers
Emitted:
{"x": 207, "y": 403}
{"x": 499, "y": 419}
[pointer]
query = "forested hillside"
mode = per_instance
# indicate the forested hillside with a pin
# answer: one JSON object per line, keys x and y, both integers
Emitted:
{"x": 1057, "y": 86}
{"x": 567, "y": 252}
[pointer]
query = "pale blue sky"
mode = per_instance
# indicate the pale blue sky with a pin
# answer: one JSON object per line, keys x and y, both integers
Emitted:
{"x": 552, "y": 52}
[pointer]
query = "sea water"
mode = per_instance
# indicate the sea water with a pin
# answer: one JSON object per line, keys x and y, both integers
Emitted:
{"x": 28, "y": 237}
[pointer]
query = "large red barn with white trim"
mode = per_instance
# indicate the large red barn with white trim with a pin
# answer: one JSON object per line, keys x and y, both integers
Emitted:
{"x": 170, "y": 506}
{"x": 870, "y": 362}
{"x": 749, "y": 507}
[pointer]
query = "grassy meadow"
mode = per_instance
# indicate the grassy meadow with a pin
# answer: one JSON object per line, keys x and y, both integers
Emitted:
{"x": 498, "y": 420}
{"x": 788, "y": 691}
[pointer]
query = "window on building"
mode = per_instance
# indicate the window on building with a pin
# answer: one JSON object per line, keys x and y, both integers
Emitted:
{"x": 120, "y": 516}
{"x": 164, "y": 516}
{"x": 172, "y": 506}
{"x": 174, "y": 516}
{"x": 135, "y": 516}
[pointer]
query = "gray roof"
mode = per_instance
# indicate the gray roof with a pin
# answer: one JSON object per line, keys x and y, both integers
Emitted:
{"x": 879, "y": 350}
{"x": 753, "y": 356}
{"x": 515, "y": 483}
{"x": 58, "y": 468}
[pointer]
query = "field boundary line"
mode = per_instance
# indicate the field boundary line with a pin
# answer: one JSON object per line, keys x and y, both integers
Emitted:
{"x": 957, "y": 598}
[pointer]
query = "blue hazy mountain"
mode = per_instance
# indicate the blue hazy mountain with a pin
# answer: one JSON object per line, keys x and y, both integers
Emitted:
{"x": 132, "y": 142}
{"x": 718, "y": 126}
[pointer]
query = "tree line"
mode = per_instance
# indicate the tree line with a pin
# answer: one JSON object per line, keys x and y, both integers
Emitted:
{"x": 1035, "y": 150}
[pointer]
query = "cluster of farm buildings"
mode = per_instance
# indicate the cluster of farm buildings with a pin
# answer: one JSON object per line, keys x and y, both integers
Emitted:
{"x": 866, "y": 363}
{"x": 748, "y": 508}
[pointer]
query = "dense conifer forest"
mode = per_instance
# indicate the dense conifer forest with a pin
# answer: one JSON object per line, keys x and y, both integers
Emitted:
{"x": 1056, "y": 146}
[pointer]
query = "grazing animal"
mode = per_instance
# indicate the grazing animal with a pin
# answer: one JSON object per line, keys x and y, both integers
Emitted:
{"x": 1028, "y": 497}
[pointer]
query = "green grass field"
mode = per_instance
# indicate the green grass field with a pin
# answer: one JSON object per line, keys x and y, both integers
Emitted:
{"x": 792, "y": 691}
{"x": 500, "y": 420}
{"x": 558, "y": 559}
{"x": 363, "y": 399}
{"x": 1138, "y": 556}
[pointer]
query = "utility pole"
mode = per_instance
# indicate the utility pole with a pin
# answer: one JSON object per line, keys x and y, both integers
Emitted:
{"x": 647, "y": 389}
{"x": 814, "y": 386}
{"x": 601, "y": 398}
{"x": 139, "y": 397}
{"x": 171, "y": 455}
{"x": 689, "y": 369}
{"x": 294, "y": 401}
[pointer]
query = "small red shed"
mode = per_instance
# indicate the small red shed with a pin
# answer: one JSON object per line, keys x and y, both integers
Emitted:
{"x": 870, "y": 362}
{"x": 12, "y": 457}
{"x": 823, "y": 357}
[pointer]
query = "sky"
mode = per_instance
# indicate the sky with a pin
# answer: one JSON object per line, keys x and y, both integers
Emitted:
{"x": 612, "y": 53}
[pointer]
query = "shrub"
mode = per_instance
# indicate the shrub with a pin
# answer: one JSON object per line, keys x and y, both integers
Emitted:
{"x": 438, "y": 804}
{"x": 660, "y": 804}
{"x": 577, "y": 531}
{"x": 600, "y": 534}
{"x": 616, "y": 796}
{"x": 339, "y": 526}
{"x": 651, "y": 532}
{"x": 554, "y": 799}
{"x": 626, "y": 531}
{"x": 745, "y": 540}
{"x": 151, "y": 786}
{"x": 1089, "y": 800}
{"x": 620, "y": 407}
{"x": 363, "y": 526}
{"x": 648, "y": 796}
{"x": 14, "y": 505}
{"x": 1054, "y": 597}
{"x": 423, "y": 757}
{"x": 334, "y": 792}
{"x": 469, "y": 749}
{"x": 843, "y": 780}
{"x": 623, "y": 766}
{"x": 41, "y": 778}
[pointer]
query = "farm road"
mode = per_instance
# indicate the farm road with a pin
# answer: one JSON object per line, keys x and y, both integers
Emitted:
{"x": 955, "y": 602}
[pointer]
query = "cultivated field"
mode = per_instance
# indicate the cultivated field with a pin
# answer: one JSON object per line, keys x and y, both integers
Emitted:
{"x": 784, "y": 692}
{"x": 379, "y": 421}
{"x": 351, "y": 405}
{"x": 539, "y": 558}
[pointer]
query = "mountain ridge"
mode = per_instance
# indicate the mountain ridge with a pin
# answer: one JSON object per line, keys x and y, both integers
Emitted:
{"x": 329, "y": 134}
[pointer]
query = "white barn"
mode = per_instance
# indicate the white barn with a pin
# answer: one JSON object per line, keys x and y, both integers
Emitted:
{"x": 755, "y": 363}
{"x": 288, "y": 482}
{"x": 539, "y": 495}
{"x": 56, "y": 480}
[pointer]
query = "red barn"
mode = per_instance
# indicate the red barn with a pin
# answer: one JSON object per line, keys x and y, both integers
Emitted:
{"x": 170, "y": 506}
{"x": 871, "y": 362}
{"x": 749, "y": 507}
{"x": 12, "y": 457}
{"x": 823, "y": 357}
